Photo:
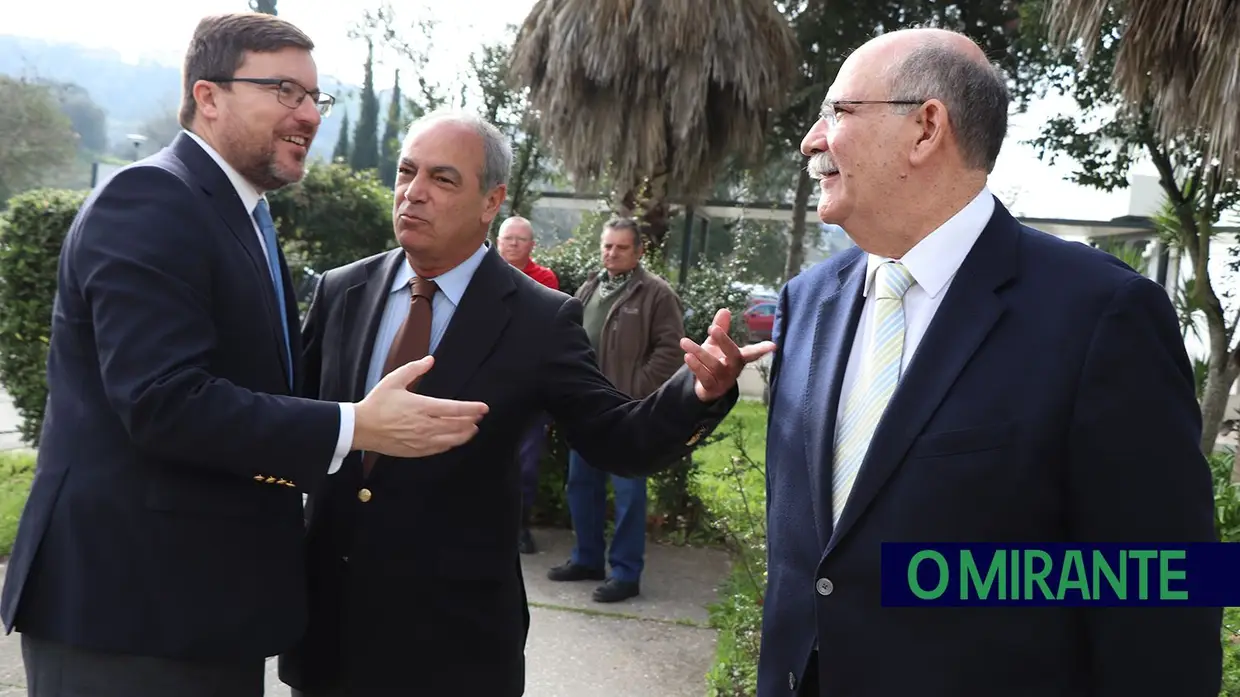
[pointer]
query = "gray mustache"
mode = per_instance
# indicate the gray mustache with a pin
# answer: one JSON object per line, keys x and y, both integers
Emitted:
{"x": 820, "y": 166}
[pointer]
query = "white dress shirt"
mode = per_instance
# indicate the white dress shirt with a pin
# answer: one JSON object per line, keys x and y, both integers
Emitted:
{"x": 250, "y": 196}
{"x": 933, "y": 262}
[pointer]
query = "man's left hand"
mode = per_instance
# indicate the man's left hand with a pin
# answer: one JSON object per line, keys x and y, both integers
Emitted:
{"x": 718, "y": 362}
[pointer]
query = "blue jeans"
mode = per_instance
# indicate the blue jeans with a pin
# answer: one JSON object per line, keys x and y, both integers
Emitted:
{"x": 587, "y": 503}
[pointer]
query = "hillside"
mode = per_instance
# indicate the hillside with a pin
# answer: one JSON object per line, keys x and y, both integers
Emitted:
{"x": 134, "y": 94}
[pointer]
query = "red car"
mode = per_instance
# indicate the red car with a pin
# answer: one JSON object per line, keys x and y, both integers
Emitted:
{"x": 760, "y": 320}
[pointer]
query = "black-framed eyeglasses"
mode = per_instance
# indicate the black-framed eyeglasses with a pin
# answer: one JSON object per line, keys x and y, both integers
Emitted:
{"x": 290, "y": 94}
{"x": 829, "y": 114}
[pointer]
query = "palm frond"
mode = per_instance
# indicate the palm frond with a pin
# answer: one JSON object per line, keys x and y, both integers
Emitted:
{"x": 636, "y": 89}
{"x": 1180, "y": 54}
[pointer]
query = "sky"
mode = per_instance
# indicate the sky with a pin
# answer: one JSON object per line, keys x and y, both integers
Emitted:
{"x": 157, "y": 30}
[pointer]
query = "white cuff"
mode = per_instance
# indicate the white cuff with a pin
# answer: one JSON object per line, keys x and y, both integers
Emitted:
{"x": 344, "y": 442}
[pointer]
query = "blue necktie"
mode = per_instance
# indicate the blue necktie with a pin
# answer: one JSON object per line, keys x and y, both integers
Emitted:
{"x": 262, "y": 215}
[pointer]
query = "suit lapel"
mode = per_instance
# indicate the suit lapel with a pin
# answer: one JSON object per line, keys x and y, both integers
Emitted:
{"x": 833, "y": 337}
{"x": 969, "y": 311}
{"x": 476, "y": 327}
{"x": 228, "y": 205}
{"x": 363, "y": 310}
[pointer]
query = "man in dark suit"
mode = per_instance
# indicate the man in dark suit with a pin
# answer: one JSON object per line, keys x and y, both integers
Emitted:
{"x": 415, "y": 576}
{"x": 161, "y": 548}
{"x": 1043, "y": 395}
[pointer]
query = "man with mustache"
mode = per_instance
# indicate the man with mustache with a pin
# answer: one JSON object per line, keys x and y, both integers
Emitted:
{"x": 393, "y": 610}
{"x": 959, "y": 377}
{"x": 161, "y": 549}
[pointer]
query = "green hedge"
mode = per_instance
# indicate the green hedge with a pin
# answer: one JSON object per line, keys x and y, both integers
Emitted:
{"x": 332, "y": 217}
{"x": 32, "y": 230}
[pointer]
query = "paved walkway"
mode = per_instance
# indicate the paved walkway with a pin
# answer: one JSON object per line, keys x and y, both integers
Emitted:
{"x": 655, "y": 645}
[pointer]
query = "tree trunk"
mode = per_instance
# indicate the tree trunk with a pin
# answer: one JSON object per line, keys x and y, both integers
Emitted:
{"x": 1220, "y": 376}
{"x": 649, "y": 205}
{"x": 796, "y": 237}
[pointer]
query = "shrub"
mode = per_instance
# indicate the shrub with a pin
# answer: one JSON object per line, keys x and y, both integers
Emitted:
{"x": 332, "y": 217}
{"x": 32, "y": 230}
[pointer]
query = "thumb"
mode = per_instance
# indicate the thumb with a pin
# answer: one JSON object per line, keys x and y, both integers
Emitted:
{"x": 404, "y": 376}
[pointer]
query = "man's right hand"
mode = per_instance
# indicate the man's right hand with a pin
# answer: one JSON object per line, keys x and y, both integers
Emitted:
{"x": 394, "y": 421}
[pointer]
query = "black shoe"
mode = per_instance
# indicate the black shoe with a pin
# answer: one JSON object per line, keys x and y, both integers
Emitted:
{"x": 525, "y": 542}
{"x": 614, "y": 591}
{"x": 568, "y": 571}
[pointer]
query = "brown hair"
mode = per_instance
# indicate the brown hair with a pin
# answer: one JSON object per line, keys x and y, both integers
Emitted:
{"x": 220, "y": 43}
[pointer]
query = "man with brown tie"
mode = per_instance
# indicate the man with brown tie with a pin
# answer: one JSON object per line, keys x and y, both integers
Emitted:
{"x": 415, "y": 578}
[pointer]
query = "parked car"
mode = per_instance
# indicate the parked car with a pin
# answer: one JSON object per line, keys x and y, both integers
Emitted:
{"x": 760, "y": 320}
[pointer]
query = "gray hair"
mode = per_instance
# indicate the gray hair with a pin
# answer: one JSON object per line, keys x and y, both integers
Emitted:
{"x": 626, "y": 224}
{"x": 975, "y": 93}
{"x": 496, "y": 150}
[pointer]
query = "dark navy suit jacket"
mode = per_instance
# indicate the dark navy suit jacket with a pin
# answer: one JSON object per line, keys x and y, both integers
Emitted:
{"x": 1051, "y": 399}
{"x": 165, "y": 517}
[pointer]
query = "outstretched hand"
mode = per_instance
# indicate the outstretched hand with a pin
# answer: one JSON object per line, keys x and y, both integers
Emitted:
{"x": 718, "y": 362}
{"x": 394, "y": 421}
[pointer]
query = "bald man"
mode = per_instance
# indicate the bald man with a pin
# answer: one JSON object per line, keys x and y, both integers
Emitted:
{"x": 959, "y": 377}
{"x": 516, "y": 243}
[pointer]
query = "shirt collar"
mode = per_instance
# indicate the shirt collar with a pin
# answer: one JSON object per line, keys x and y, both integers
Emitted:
{"x": 936, "y": 258}
{"x": 249, "y": 194}
{"x": 451, "y": 283}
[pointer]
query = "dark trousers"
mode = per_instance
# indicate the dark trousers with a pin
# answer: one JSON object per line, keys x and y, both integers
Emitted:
{"x": 59, "y": 670}
{"x": 529, "y": 454}
{"x": 587, "y": 503}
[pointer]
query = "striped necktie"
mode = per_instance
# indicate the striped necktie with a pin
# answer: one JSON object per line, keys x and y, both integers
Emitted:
{"x": 262, "y": 215}
{"x": 880, "y": 371}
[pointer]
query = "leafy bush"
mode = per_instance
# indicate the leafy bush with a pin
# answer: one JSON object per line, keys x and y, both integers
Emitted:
{"x": 16, "y": 473}
{"x": 332, "y": 217}
{"x": 32, "y": 230}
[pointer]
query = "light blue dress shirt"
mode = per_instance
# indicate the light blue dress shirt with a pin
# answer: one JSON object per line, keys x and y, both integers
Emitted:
{"x": 452, "y": 285}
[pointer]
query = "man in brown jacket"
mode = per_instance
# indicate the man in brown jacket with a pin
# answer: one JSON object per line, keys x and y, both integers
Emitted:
{"x": 634, "y": 320}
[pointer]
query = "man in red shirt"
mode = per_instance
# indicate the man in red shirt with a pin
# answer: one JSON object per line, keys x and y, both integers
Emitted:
{"x": 516, "y": 242}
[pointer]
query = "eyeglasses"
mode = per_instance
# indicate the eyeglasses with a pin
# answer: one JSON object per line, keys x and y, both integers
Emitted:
{"x": 290, "y": 93}
{"x": 829, "y": 114}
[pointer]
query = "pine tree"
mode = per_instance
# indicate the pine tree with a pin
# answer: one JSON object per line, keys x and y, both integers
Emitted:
{"x": 366, "y": 134}
{"x": 342, "y": 143}
{"x": 390, "y": 147}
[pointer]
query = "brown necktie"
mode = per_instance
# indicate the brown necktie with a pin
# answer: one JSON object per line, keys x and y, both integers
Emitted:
{"x": 412, "y": 341}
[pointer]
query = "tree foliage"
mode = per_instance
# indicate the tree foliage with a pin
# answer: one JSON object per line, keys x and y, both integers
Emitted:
{"x": 264, "y": 6}
{"x": 366, "y": 134}
{"x": 1106, "y": 137}
{"x": 88, "y": 119}
{"x": 393, "y": 129}
{"x": 37, "y": 137}
{"x": 653, "y": 96}
{"x": 334, "y": 216}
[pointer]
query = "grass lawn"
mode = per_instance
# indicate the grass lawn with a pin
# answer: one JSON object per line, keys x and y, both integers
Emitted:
{"x": 16, "y": 471}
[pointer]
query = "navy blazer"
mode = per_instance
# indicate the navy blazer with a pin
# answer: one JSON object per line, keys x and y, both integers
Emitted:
{"x": 165, "y": 517}
{"x": 1051, "y": 399}
{"x": 416, "y": 585}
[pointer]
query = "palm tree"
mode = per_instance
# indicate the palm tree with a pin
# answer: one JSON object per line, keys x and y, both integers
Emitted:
{"x": 1181, "y": 54}
{"x": 654, "y": 95}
